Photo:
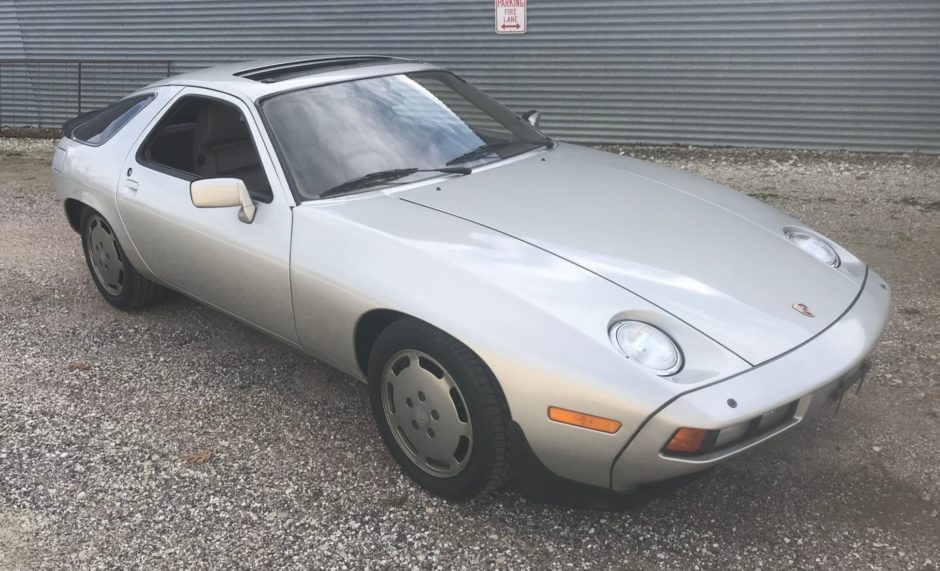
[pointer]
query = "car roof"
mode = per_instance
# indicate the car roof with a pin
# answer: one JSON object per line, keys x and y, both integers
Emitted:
{"x": 259, "y": 78}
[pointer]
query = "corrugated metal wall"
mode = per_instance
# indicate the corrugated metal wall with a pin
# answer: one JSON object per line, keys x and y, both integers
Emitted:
{"x": 860, "y": 74}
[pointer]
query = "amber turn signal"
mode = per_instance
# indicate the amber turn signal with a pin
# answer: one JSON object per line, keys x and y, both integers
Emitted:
{"x": 598, "y": 423}
{"x": 687, "y": 440}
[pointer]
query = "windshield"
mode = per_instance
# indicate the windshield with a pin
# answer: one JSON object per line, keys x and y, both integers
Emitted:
{"x": 330, "y": 135}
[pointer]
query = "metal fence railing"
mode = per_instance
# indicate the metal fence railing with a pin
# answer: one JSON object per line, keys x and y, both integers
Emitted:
{"x": 44, "y": 93}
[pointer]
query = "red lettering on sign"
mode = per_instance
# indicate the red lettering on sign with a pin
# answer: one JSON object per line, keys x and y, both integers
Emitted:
{"x": 510, "y": 16}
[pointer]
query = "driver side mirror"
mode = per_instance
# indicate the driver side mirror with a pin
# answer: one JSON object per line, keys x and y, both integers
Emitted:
{"x": 222, "y": 193}
{"x": 533, "y": 117}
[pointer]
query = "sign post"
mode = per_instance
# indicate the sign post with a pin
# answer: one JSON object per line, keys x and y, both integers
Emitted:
{"x": 510, "y": 16}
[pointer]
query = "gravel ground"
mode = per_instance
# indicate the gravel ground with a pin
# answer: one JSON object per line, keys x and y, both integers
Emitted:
{"x": 177, "y": 437}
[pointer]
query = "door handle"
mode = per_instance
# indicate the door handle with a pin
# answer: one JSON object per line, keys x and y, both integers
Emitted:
{"x": 130, "y": 187}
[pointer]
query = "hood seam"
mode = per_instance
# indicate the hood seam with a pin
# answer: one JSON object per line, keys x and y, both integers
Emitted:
{"x": 592, "y": 272}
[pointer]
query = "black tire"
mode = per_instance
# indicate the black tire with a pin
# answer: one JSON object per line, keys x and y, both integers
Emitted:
{"x": 488, "y": 467}
{"x": 135, "y": 291}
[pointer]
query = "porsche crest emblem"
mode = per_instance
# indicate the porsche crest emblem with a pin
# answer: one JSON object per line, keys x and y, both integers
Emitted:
{"x": 801, "y": 307}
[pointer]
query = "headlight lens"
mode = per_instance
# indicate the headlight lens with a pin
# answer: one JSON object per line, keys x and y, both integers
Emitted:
{"x": 814, "y": 246}
{"x": 648, "y": 346}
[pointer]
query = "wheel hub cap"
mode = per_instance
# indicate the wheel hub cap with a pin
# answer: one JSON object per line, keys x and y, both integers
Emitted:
{"x": 426, "y": 413}
{"x": 422, "y": 414}
{"x": 105, "y": 257}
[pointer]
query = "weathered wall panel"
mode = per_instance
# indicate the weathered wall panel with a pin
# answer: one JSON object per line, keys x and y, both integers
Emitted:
{"x": 860, "y": 74}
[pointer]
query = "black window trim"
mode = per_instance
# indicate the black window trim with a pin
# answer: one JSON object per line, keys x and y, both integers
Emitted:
{"x": 69, "y": 130}
{"x": 143, "y": 161}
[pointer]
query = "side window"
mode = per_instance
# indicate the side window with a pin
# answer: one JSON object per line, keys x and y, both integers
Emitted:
{"x": 200, "y": 137}
{"x": 101, "y": 125}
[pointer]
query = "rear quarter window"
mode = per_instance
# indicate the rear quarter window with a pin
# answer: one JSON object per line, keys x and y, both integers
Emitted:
{"x": 104, "y": 124}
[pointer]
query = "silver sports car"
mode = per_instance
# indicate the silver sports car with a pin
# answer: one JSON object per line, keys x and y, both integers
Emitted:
{"x": 589, "y": 323}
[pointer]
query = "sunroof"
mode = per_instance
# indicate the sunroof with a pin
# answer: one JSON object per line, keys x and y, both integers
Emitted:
{"x": 282, "y": 72}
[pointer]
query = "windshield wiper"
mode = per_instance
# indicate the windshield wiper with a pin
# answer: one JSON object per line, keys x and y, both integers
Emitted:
{"x": 480, "y": 151}
{"x": 386, "y": 176}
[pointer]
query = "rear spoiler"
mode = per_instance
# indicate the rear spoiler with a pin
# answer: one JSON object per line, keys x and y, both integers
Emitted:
{"x": 77, "y": 121}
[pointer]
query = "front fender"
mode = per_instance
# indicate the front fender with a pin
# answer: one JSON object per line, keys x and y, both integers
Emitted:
{"x": 538, "y": 321}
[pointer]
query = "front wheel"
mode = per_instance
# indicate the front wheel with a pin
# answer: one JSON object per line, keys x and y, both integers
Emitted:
{"x": 117, "y": 280}
{"x": 439, "y": 410}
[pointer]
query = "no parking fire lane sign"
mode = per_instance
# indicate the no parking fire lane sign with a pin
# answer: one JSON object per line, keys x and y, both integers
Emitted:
{"x": 510, "y": 16}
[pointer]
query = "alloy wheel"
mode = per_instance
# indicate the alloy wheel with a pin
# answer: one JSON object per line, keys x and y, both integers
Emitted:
{"x": 426, "y": 413}
{"x": 105, "y": 255}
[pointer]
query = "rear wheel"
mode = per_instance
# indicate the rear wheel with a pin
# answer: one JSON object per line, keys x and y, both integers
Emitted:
{"x": 439, "y": 410}
{"x": 117, "y": 280}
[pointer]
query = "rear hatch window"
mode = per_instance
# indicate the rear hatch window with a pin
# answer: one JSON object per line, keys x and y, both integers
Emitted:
{"x": 96, "y": 127}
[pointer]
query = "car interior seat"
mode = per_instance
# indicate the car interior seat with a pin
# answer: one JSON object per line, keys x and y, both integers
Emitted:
{"x": 224, "y": 148}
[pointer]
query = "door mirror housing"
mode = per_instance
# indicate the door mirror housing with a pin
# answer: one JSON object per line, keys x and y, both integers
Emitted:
{"x": 533, "y": 117}
{"x": 222, "y": 193}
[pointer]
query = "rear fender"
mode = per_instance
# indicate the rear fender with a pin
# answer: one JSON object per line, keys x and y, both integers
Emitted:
{"x": 90, "y": 175}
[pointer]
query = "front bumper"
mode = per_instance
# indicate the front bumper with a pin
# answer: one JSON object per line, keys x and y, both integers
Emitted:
{"x": 809, "y": 375}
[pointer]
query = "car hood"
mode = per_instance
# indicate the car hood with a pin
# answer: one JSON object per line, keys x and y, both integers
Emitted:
{"x": 714, "y": 258}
